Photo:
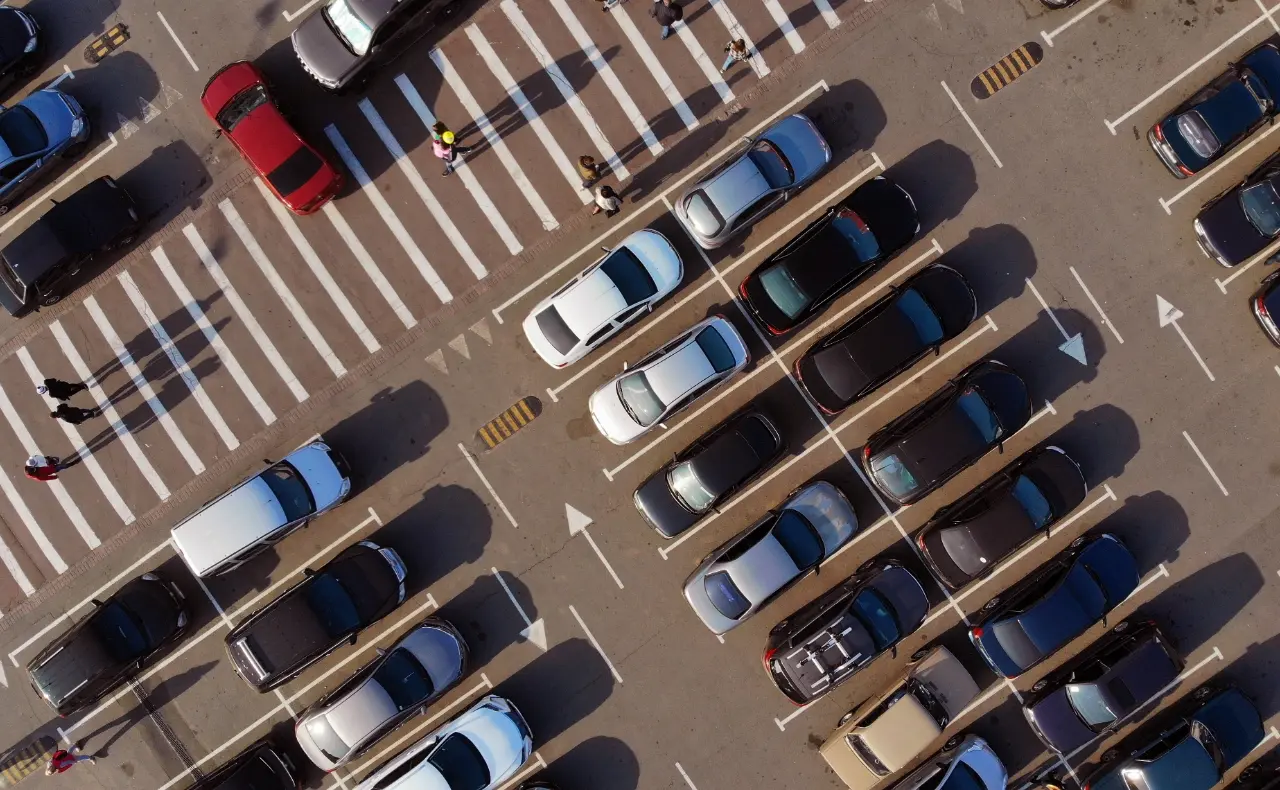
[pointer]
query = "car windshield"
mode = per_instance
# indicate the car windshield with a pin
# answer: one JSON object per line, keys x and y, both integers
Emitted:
{"x": 349, "y": 26}
{"x": 963, "y": 778}
{"x": 1088, "y": 701}
{"x": 119, "y": 633}
{"x": 332, "y": 605}
{"x": 22, "y": 132}
{"x": 980, "y": 414}
{"x": 1192, "y": 127}
{"x": 290, "y": 491}
{"x": 783, "y": 290}
{"x": 241, "y": 105}
{"x": 326, "y": 740}
{"x": 769, "y": 160}
{"x": 688, "y": 488}
{"x": 725, "y": 595}
{"x": 404, "y": 679}
{"x": 1032, "y": 501}
{"x": 629, "y": 275}
{"x": 460, "y": 763}
{"x": 873, "y": 611}
{"x": 891, "y": 472}
{"x": 639, "y": 399}
{"x": 1261, "y": 206}
{"x": 717, "y": 350}
{"x": 851, "y": 227}
{"x": 798, "y": 539}
{"x": 916, "y": 310}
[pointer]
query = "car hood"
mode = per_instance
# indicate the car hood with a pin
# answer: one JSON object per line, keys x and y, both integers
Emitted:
{"x": 322, "y": 53}
{"x": 658, "y": 255}
{"x": 54, "y": 114}
{"x": 802, "y": 144}
{"x": 610, "y": 417}
{"x": 659, "y": 507}
{"x": 1234, "y": 721}
{"x": 1058, "y": 723}
{"x": 499, "y": 740}
{"x": 889, "y": 212}
{"x": 828, "y": 510}
{"x": 322, "y": 476}
{"x": 1229, "y": 231}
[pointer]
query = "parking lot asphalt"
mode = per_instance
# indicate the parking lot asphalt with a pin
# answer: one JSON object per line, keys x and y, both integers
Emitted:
{"x": 1044, "y": 195}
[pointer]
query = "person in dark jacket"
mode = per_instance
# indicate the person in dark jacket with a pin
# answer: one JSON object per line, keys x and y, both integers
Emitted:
{"x": 667, "y": 12}
{"x": 59, "y": 389}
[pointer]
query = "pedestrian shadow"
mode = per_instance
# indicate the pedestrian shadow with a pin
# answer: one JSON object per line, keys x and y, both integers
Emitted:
{"x": 167, "y": 691}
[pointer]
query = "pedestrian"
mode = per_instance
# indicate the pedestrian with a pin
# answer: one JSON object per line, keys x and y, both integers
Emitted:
{"x": 446, "y": 149}
{"x": 607, "y": 201}
{"x": 590, "y": 171}
{"x": 59, "y": 389}
{"x": 735, "y": 52}
{"x": 605, "y": 5}
{"x": 43, "y": 468}
{"x": 438, "y": 129}
{"x": 62, "y": 760}
{"x": 72, "y": 414}
{"x": 667, "y": 12}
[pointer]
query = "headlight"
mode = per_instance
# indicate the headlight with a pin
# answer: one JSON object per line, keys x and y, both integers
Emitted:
{"x": 31, "y": 45}
{"x": 77, "y": 126}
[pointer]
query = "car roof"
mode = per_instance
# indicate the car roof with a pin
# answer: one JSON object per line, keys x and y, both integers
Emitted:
{"x": 933, "y": 447}
{"x": 93, "y": 215}
{"x": 358, "y": 714}
{"x": 1230, "y": 113}
{"x": 977, "y": 543}
{"x": 901, "y": 733}
{"x": 868, "y": 353}
{"x": 373, "y": 12}
{"x": 1068, "y": 610}
{"x": 731, "y": 456}
{"x": 736, "y": 187}
{"x": 762, "y": 570}
{"x": 227, "y": 526}
{"x": 951, "y": 684}
{"x": 676, "y": 373}
{"x": 589, "y": 304}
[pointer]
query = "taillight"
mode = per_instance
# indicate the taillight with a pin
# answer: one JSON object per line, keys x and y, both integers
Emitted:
{"x": 1262, "y": 308}
{"x": 866, "y": 453}
{"x": 768, "y": 654}
{"x": 920, "y": 540}
{"x": 742, "y": 289}
{"x": 976, "y": 632}
{"x": 1183, "y": 169}
{"x": 1159, "y": 134}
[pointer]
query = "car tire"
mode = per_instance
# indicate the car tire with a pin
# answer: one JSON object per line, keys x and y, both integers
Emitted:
{"x": 1201, "y": 694}
{"x": 844, "y": 719}
{"x": 1248, "y": 773}
{"x": 49, "y": 300}
{"x": 77, "y": 150}
{"x": 868, "y": 565}
{"x": 1078, "y": 542}
{"x": 1039, "y": 685}
{"x": 951, "y": 743}
{"x": 1108, "y": 756}
{"x": 125, "y": 240}
{"x": 1121, "y": 627}
{"x": 992, "y": 604}
{"x": 4, "y": 209}
{"x": 919, "y": 655}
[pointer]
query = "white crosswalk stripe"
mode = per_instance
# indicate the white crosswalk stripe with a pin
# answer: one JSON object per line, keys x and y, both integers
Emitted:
{"x": 654, "y": 66}
{"x": 709, "y": 70}
{"x": 107, "y": 410}
{"x": 225, "y": 355}
{"x": 178, "y": 361}
{"x": 549, "y": 65}
{"x": 513, "y": 90}
{"x": 86, "y": 458}
{"x": 499, "y": 146}
{"x": 142, "y": 385}
{"x": 828, "y": 13}
{"x": 366, "y": 262}
{"x": 29, "y": 521}
{"x": 736, "y": 31}
{"x": 783, "y": 22}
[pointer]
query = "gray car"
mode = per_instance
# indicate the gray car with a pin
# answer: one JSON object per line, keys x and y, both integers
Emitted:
{"x": 35, "y": 134}
{"x": 742, "y": 576}
{"x": 397, "y": 685}
{"x": 767, "y": 171}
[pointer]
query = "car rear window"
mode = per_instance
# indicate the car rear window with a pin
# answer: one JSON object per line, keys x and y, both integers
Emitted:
{"x": 1032, "y": 501}
{"x": 798, "y": 539}
{"x": 639, "y": 399}
{"x": 894, "y": 475}
{"x": 556, "y": 331}
{"x": 854, "y": 230}
{"x": 976, "y": 409}
{"x": 326, "y": 739}
{"x": 459, "y": 762}
{"x": 703, "y": 213}
{"x": 629, "y": 275}
{"x": 725, "y": 595}
{"x": 769, "y": 160}
{"x": 688, "y": 488}
{"x": 917, "y": 311}
{"x": 1192, "y": 127}
{"x": 1090, "y": 704}
{"x": 404, "y": 679}
{"x": 783, "y": 290}
{"x": 1017, "y": 645}
{"x": 963, "y": 778}
{"x": 717, "y": 350}
{"x": 290, "y": 491}
{"x": 22, "y": 131}
{"x": 241, "y": 105}
{"x": 296, "y": 171}
{"x": 876, "y": 615}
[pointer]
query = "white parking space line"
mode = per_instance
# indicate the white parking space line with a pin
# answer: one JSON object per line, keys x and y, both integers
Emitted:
{"x": 654, "y": 66}
{"x": 526, "y": 109}
{"x": 1161, "y": 573}
{"x": 736, "y": 31}
{"x": 1263, "y": 8}
{"x": 179, "y": 363}
{"x": 790, "y": 717}
{"x": 1204, "y": 461}
{"x": 496, "y": 143}
{"x": 1111, "y": 125}
{"x": 39, "y": 201}
{"x": 380, "y": 204}
{"x": 785, "y": 27}
{"x": 1050, "y": 36}
{"x": 516, "y": 17}
{"x": 690, "y": 173}
{"x": 142, "y": 385}
{"x": 1205, "y": 175}
{"x": 1240, "y": 269}
{"x": 1106, "y": 321}
{"x": 537, "y": 765}
{"x": 709, "y": 70}
{"x": 289, "y": 16}
{"x": 308, "y": 253}
{"x": 241, "y": 309}
{"x": 828, "y": 13}
{"x": 476, "y": 467}
{"x": 972, "y": 125}
{"x": 104, "y": 406}
{"x": 82, "y": 452}
{"x": 590, "y": 637}
{"x": 282, "y": 290}
{"x": 685, "y": 777}
{"x": 178, "y": 41}
{"x": 29, "y": 521}
{"x": 371, "y": 269}
{"x": 607, "y": 75}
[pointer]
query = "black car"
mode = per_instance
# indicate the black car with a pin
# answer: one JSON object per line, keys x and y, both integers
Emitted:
{"x": 22, "y": 47}
{"x": 1220, "y": 115}
{"x": 1191, "y": 750}
{"x": 827, "y": 641}
{"x": 119, "y": 637}
{"x": 39, "y": 266}
{"x": 263, "y": 766}
{"x": 1096, "y": 690}
{"x": 314, "y": 617}
{"x": 840, "y": 249}
{"x": 1266, "y": 306}
{"x": 955, "y": 426}
{"x": 965, "y": 539}
{"x": 707, "y": 472}
{"x": 1238, "y": 224}
{"x": 888, "y": 337}
{"x": 1054, "y": 604}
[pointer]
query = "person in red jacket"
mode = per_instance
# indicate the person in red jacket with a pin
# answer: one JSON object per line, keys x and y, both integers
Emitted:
{"x": 62, "y": 760}
{"x": 43, "y": 468}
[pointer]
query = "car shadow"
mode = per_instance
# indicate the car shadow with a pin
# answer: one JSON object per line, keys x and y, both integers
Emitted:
{"x": 559, "y": 688}
{"x": 446, "y": 529}
{"x": 1230, "y": 583}
{"x": 1028, "y": 349}
{"x": 940, "y": 178}
{"x": 1254, "y": 671}
{"x": 407, "y": 419}
{"x": 996, "y": 262}
{"x": 166, "y": 691}
{"x": 1153, "y": 525}
{"x": 599, "y": 761}
{"x": 486, "y": 618}
{"x": 1101, "y": 440}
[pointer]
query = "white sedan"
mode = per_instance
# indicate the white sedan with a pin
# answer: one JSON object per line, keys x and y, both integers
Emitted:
{"x": 612, "y": 292}
{"x": 668, "y": 379}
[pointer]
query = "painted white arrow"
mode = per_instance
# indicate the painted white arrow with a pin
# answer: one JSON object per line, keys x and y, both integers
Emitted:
{"x": 1073, "y": 345}
{"x": 578, "y": 522}
{"x": 534, "y": 631}
{"x": 1170, "y": 315}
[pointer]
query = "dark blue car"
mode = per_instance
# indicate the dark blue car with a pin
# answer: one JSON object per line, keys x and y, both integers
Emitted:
{"x": 1054, "y": 604}
{"x": 1220, "y": 115}
{"x": 1191, "y": 752}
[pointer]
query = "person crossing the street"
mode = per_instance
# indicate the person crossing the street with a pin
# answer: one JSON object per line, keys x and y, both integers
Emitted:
{"x": 735, "y": 52}
{"x": 446, "y": 149}
{"x": 63, "y": 759}
{"x": 667, "y": 12}
{"x": 590, "y": 171}
{"x": 61, "y": 390}
{"x": 607, "y": 201}
{"x": 43, "y": 468}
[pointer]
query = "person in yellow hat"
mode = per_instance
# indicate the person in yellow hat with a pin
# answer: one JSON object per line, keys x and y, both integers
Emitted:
{"x": 446, "y": 148}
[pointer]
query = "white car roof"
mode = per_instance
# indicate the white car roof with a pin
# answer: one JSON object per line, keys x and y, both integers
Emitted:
{"x": 675, "y": 374}
{"x": 762, "y": 571}
{"x": 362, "y": 712}
{"x": 590, "y": 304}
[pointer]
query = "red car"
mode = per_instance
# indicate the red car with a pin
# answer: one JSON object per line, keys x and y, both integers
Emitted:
{"x": 236, "y": 98}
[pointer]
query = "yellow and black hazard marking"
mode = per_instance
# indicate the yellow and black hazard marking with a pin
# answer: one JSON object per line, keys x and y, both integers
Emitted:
{"x": 106, "y": 43}
{"x": 1008, "y": 69}
{"x": 23, "y": 761}
{"x": 505, "y": 425}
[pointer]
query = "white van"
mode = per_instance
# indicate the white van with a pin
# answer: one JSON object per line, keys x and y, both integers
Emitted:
{"x": 261, "y": 511}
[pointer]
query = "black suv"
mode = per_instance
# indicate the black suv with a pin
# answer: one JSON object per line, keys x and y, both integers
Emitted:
{"x": 263, "y": 766}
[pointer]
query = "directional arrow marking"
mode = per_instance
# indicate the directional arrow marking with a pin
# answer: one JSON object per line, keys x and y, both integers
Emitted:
{"x": 534, "y": 631}
{"x": 1170, "y": 315}
{"x": 578, "y": 523}
{"x": 1073, "y": 345}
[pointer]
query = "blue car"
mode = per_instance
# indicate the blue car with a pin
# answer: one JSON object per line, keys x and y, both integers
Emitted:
{"x": 1054, "y": 604}
{"x": 1189, "y": 752}
{"x": 35, "y": 134}
{"x": 1220, "y": 115}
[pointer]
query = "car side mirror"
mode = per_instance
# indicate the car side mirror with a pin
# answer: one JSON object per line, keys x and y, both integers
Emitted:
{"x": 352, "y": 639}
{"x": 662, "y": 425}
{"x": 937, "y": 350}
{"x": 624, "y": 364}
{"x": 746, "y": 138}
{"x": 604, "y": 249}
{"x": 308, "y": 573}
{"x": 217, "y": 132}
{"x": 95, "y": 602}
{"x": 1000, "y": 447}
{"x": 381, "y": 653}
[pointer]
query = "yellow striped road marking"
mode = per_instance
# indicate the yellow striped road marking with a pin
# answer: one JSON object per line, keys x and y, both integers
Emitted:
{"x": 1004, "y": 71}
{"x": 505, "y": 425}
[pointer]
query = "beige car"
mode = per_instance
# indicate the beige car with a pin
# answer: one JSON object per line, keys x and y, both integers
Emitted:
{"x": 886, "y": 734}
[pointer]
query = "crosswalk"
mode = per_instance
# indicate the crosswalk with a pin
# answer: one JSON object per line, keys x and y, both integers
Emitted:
{"x": 250, "y": 310}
